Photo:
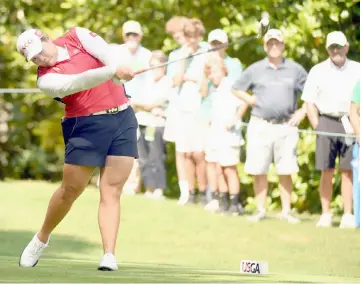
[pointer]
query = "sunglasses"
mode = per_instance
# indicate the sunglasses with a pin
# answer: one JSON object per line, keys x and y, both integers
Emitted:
{"x": 131, "y": 34}
{"x": 335, "y": 46}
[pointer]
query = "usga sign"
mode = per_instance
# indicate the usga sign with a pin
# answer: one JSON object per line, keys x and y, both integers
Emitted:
{"x": 253, "y": 267}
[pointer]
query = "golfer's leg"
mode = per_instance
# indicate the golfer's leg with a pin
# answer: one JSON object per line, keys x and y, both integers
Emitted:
{"x": 75, "y": 179}
{"x": 112, "y": 179}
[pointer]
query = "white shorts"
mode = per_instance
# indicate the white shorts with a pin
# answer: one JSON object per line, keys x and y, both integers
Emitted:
{"x": 225, "y": 156}
{"x": 191, "y": 133}
{"x": 170, "y": 127}
{"x": 267, "y": 143}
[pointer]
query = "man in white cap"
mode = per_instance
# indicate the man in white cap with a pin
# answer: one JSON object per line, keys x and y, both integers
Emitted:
{"x": 327, "y": 93}
{"x": 218, "y": 37}
{"x": 272, "y": 133}
{"x": 134, "y": 54}
{"x": 99, "y": 129}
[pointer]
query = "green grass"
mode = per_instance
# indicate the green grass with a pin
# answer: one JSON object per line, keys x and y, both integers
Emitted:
{"x": 162, "y": 242}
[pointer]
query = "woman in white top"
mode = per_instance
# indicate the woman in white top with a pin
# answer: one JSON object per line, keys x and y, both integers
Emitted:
{"x": 189, "y": 144}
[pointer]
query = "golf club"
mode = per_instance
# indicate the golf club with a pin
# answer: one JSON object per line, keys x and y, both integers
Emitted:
{"x": 263, "y": 27}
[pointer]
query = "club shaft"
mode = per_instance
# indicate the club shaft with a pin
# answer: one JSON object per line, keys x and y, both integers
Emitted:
{"x": 224, "y": 45}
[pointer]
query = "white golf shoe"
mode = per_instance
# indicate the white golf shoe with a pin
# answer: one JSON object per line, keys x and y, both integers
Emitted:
{"x": 31, "y": 254}
{"x": 348, "y": 221}
{"x": 108, "y": 263}
{"x": 325, "y": 221}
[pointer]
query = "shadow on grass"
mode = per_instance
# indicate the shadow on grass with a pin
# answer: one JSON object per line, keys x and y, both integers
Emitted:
{"x": 12, "y": 243}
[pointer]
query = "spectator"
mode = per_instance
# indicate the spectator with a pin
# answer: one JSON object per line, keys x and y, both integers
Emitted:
{"x": 234, "y": 69}
{"x": 175, "y": 27}
{"x": 272, "y": 132}
{"x": 224, "y": 140}
{"x": 137, "y": 57}
{"x": 189, "y": 141}
{"x": 150, "y": 115}
{"x": 355, "y": 122}
{"x": 133, "y": 54}
{"x": 328, "y": 93}
{"x": 218, "y": 37}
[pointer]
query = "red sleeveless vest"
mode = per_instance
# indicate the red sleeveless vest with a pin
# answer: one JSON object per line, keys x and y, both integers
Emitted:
{"x": 104, "y": 96}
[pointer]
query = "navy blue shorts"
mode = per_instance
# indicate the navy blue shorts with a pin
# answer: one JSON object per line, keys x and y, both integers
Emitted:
{"x": 89, "y": 139}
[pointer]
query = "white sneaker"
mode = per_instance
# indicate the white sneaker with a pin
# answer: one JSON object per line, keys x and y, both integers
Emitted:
{"x": 347, "y": 221}
{"x": 260, "y": 215}
{"x": 183, "y": 199}
{"x": 158, "y": 194}
{"x": 31, "y": 254}
{"x": 325, "y": 221}
{"x": 108, "y": 263}
{"x": 212, "y": 206}
{"x": 289, "y": 218}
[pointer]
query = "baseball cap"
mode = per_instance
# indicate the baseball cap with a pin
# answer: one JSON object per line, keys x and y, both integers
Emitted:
{"x": 218, "y": 35}
{"x": 336, "y": 37}
{"x": 273, "y": 33}
{"x": 132, "y": 27}
{"x": 29, "y": 43}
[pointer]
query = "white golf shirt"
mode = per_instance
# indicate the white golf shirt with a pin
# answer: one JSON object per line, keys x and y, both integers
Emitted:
{"x": 330, "y": 87}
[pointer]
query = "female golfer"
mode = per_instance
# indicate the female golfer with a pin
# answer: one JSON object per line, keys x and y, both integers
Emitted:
{"x": 99, "y": 128}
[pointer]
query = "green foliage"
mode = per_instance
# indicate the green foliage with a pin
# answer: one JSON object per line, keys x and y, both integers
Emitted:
{"x": 35, "y": 149}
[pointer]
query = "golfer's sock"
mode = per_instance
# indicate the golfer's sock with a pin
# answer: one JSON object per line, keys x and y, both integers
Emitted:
{"x": 285, "y": 211}
{"x": 234, "y": 199}
{"x": 183, "y": 186}
{"x": 261, "y": 209}
{"x": 192, "y": 196}
{"x": 223, "y": 199}
{"x": 215, "y": 195}
{"x": 202, "y": 194}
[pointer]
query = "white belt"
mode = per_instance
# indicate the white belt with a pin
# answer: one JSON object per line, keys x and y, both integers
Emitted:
{"x": 112, "y": 110}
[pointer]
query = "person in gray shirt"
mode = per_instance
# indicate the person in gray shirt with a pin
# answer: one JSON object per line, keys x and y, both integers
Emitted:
{"x": 272, "y": 131}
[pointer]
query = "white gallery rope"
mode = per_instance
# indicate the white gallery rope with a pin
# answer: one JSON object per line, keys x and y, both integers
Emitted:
{"x": 305, "y": 131}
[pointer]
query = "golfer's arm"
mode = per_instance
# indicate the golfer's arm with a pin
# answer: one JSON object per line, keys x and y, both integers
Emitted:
{"x": 61, "y": 85}
{"x": 178, "y": 79}
{"x": 312, "y": 113}
{"x": 244, "y": 96}
{"x": 355, "y": 118}
{"x": 96, "y": 46}
{"x": 203, "y": 90}
{"x": 241, "y": 110}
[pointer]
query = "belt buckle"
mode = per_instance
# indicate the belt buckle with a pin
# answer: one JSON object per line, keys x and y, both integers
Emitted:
{"x": 112, "y": 110}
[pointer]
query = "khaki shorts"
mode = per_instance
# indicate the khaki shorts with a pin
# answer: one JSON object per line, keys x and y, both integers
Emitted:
{"x": 267, "y": 143}
{"x": 328, "y": 148}
{"x": 226, "y": 156}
